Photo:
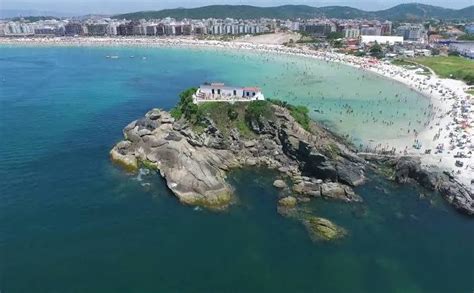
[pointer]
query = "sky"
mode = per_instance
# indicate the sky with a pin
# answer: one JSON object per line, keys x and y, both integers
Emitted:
{"x": 119, "y": 6}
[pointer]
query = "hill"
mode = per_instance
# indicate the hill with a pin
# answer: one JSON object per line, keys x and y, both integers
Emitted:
{"x": 402, "y": 12}
{"x": 13, "y": 13}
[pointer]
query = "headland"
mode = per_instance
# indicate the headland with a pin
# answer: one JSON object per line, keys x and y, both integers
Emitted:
{"x": 194, "y": 146}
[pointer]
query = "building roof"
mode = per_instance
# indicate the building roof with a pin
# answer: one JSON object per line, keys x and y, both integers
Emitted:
{"x": 252, "y": 89}
{"x": 222, "y": 86}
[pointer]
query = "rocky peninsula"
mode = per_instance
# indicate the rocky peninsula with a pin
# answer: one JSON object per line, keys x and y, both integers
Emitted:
{"x": 194, "y": 147}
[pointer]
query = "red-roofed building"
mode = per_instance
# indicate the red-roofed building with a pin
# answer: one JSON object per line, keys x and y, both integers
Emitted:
{"x": 221, "y": 92}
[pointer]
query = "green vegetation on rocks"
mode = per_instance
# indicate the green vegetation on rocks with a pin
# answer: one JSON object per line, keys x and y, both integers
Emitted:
{"x": 149, "y": 165}
{"x": 289, "y": 202}
{"x": 185, "y": 106}
{"x": 300, "y": 113}
{"x": 323, "y": 229}
{"x": 257, "y": 109}
{"x": 332, "y": 150}
{"x": 228, "y": 116}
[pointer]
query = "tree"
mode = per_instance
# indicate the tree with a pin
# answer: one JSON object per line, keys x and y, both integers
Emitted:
{"x": 232, "y": 114}
{"x": 337, "y": 44}
{"x": 335, "y": 35}
{"x": 376, "y": 51}
{"x": 467, "y": 37}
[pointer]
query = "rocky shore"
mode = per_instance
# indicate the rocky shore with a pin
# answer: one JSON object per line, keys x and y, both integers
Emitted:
{"x": 194, "y": 162}
{"x": 410, "y": 170}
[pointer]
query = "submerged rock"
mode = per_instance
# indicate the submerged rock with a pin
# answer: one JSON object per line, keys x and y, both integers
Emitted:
{"x": 289, "y": 202}
{"x": 323, "y": 229}
{"x": 339, "y": 191}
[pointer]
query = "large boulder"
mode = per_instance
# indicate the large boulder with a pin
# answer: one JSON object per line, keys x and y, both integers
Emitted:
{"x": 123, "y": 155}
{"x": 279, "y": 183}
{"x": 288, "y": 202}
{"x": 458, "y": 195}
{"x": 350, "y": 173}
{"x": 339, "y": 191}
{"x": 307, "y": 188}
{"x": 323, "y": 229}
{"x": 195, "y": 175}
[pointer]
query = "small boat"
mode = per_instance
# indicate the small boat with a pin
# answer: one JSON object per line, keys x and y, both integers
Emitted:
{"x": 114, "y": 57}
{"x": 132, "y": 56}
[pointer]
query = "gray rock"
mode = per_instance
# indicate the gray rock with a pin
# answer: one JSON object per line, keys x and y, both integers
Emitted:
{"x": 174, "y": 136}
{"x": 338, "y": 191}
{"x": 195, "y": 166}
{"x": 144, "y": 132}
{"x": 350, "y": 174}
{"x": 249, "y": 143}
{"x": 132, "y": 134}
{"x": 269, "y": 144}
{"x": 307, "y": 188}
{"x": 154, "y": 115}
{"x": 289, "y": 202}
{"x": 251, "y": 162}
{"x": 279, "y": 184}
{"x": 153, "y": 141}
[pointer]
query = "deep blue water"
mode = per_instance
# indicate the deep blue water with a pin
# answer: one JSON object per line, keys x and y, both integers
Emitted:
{"x": 70, "y": 221}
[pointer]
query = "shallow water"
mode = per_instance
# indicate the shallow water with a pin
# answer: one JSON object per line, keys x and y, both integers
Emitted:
{"x": 70, "y": 221}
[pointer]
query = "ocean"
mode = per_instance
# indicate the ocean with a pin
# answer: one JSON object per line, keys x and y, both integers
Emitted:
{"x": 71, "y": 221}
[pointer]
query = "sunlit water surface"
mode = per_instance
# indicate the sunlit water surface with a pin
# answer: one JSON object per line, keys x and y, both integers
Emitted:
{"x": 70, "y": 221}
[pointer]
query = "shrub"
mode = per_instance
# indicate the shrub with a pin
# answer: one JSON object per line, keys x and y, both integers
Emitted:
{"x": 232, "y": 114}
{"x": 186, "y": 107}
{"x": 176, "y": 113}
{"x": 257, "y": 109}
{"x": 299, "y": 113}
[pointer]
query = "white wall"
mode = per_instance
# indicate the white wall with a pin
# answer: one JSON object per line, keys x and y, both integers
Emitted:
{"x": 381, "y": 39}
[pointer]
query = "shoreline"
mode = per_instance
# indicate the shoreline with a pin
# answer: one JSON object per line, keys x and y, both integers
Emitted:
{"x": 448, "y": 131}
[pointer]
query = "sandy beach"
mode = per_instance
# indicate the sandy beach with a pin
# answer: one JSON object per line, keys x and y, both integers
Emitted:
{"x": 445, "y": 141}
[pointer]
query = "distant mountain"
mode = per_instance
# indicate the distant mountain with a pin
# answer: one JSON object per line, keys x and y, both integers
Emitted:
{"x": 12, "y": 13}
{"x": 402, "y": 12}
{"x": 415, "y": 11}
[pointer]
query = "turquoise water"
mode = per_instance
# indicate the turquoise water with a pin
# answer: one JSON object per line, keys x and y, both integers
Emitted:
{"x": 70, "y": 221}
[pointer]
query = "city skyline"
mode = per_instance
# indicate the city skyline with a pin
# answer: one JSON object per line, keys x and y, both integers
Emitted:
{"x": 111, "y": 7}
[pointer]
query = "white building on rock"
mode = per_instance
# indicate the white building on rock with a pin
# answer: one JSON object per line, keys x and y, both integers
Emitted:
{"x": 219, "y": 92}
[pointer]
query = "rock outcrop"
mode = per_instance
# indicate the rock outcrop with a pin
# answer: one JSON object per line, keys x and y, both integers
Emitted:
{"x": 194, "y": 164}
{"x": 323, "y": 229}
{"x": 409, "y": 169}
{"x": 289, "y": 202}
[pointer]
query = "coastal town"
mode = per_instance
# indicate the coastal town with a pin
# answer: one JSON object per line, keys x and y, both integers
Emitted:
{"x": 347, "y": 35}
